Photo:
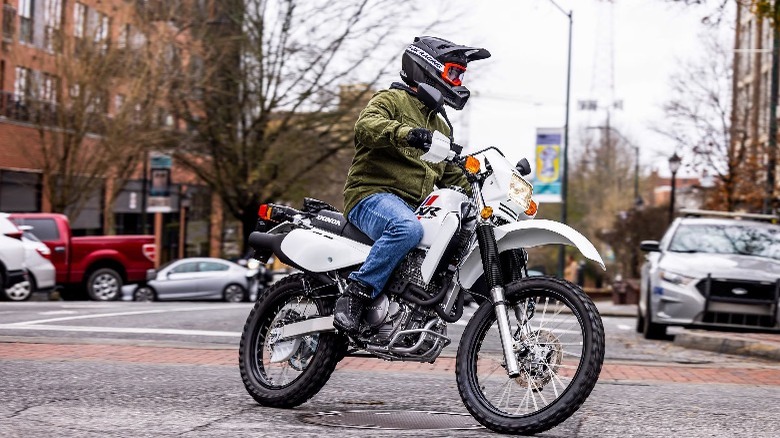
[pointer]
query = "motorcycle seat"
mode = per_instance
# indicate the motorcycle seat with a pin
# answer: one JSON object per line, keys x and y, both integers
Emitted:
{"x": 335, "y": 222}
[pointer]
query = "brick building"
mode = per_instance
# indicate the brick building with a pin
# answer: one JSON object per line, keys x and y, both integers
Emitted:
{"x": 32, "y": 87}
{"x": 753, "y": 46}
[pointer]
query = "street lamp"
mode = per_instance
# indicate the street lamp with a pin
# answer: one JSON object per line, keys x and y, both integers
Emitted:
{"x": 565, "y": 176}
{"x": 674, "y": 166}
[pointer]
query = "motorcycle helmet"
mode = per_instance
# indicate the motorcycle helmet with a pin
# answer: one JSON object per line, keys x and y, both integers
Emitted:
{"x": 440, "y": 64}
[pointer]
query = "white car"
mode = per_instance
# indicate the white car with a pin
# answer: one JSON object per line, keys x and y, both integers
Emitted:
{"x": 13, "y": 272}
{"x": 716, "y": 271}
{"x": 38, "y": 259}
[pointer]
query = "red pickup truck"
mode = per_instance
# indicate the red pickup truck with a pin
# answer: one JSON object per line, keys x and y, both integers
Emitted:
{"x": 99, "y": 265}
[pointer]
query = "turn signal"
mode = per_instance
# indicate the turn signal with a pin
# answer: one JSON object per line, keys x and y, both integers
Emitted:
{"x": 264, "y": 212}
{"x": 532, "y": 207}
{"x": 486, "y": 213}
{"x": 471, "y": 165}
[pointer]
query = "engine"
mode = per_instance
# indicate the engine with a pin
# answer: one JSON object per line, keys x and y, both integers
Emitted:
{"x": 403, "y": 330}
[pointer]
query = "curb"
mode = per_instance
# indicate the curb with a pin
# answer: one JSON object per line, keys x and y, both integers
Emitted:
{"x": 731, "y": 344}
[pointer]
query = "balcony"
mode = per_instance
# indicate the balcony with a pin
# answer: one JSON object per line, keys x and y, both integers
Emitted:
{"x": 47, "y": 114}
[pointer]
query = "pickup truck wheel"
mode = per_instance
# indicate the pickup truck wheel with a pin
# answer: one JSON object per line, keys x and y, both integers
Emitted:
{"x": 234, "y": 293}
{"x": 105, "y": 284}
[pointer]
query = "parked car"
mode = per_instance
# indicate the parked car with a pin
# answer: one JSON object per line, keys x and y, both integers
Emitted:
{"x": 42, "y": 275}
{"x": 93, "y": 267}
{"x": 716, "y": 271}
{"x": 196, "y": 278}
{"x": 13, "y": 272}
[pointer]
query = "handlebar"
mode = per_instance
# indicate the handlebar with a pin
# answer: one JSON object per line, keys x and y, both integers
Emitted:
{"x": 454, "y": 147}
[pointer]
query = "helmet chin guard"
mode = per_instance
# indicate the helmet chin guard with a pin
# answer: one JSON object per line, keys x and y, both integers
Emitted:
{"x": 430, "y": 60}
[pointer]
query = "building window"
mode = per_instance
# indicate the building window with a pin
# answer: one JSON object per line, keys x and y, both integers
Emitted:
{"x": 79, "y": 20}
{"x": 26, "y": 8}
{"x": 102, "y": 30}
{"x": 22, "y": 83}
{"x": 52, "y": 18}
{"x": 119, "y": 103}
{"x": 49, "y": 87}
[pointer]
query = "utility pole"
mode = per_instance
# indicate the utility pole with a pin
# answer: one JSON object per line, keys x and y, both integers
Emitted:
{"x": 565, "y": 176}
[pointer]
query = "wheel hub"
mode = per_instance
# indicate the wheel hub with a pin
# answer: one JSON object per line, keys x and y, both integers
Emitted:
{"x": 540, "y": 358}
{"x": 298, "y": 352}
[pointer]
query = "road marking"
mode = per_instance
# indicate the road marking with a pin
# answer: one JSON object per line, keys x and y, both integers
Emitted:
{"x": 624, "y": 327}
{"x": 138, "y": 312}
{"x": 58, "y": 312}
{"x": 69, "y": 328}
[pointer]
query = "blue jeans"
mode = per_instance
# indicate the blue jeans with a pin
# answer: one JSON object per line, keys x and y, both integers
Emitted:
{"x": 392, "y": 224}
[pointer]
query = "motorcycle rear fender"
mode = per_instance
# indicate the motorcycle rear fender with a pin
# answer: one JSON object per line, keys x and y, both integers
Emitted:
{"x": 528, "y": 234}
{"x": 318, "y": 251}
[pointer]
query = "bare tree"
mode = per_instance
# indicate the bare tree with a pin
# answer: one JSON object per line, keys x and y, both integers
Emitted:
{"x": 262, "y": 93}
{"x": 94, "y": 111}
{"x": 711, "y": 137}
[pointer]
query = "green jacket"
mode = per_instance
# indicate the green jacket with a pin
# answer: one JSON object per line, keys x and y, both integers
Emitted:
{"x": 384, "y": 162}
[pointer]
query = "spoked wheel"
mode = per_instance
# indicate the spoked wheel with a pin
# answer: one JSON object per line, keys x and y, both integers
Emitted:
{"x": 285, "y": 373}
{"x": 559, "y": 345}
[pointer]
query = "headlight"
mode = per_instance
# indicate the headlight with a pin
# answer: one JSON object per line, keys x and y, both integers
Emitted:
{"x": 520, "y": 191}
{"x": 675, "y": 278}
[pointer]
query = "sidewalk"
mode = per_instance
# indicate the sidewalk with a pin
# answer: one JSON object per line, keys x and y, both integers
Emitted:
{"x": 761, "y": 345}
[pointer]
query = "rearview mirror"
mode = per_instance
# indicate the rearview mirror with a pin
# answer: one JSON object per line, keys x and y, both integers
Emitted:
{"x": 430, "y": 96}
{"x": 650, "y": 246}
{"x": 523, "y": 167}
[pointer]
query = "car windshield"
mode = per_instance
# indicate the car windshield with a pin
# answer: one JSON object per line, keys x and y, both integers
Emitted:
{"x": 760, "y": 241}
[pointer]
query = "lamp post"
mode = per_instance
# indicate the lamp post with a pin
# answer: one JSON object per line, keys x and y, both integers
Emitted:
{"x": 565, "y": 176}
{"x": 674, "y": 166}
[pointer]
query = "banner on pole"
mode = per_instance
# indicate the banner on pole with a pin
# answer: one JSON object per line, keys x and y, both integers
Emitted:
{"x": 549, "y": 164}
{"x": 159, "y": 200}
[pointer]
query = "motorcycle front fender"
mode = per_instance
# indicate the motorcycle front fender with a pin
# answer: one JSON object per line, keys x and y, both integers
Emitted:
{"x": 528, "y": 234}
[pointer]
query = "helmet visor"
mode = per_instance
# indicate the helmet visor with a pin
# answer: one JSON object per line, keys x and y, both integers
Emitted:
{"x": 453, "y": 73}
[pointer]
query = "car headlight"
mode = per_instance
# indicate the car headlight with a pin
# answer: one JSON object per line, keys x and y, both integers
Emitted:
{"x": 675, "y": 278}
{"x": 520, "y": 191}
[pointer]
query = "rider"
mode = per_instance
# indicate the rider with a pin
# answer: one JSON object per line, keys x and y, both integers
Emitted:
{"x": 387, "y": 178}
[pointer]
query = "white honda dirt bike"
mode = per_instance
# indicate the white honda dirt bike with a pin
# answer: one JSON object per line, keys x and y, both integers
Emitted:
{"x": 529, "y": 356}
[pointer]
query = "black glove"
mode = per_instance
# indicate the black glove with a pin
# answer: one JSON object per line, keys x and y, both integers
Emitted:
{"x": 420, "y": 138}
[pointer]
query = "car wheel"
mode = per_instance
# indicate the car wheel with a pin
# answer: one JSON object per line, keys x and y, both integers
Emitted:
{"x": 640, "y": 321}
{"x": 234, "y": 293}
{"x": 105, "y": 284}
{"x": 144, "y": 294}
{"x": 650, "y": 329}
{"x": 18, "y": 292}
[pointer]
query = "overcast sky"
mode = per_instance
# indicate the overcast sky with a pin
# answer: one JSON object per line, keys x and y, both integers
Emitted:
{"x": 522, "y": 86}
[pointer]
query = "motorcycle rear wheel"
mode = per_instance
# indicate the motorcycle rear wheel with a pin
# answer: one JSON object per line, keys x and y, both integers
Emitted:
{"x": 291, "y": 382}
{"x": 560, "y": 351}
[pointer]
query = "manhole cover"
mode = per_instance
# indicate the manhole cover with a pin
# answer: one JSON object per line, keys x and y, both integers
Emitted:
{"x": 393, "y": 420}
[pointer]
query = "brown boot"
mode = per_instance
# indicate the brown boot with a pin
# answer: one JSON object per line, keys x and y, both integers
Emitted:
{"x": 348, "y": 312}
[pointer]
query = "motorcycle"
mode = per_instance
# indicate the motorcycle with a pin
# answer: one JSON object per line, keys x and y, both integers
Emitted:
{"x": 530, "y": 354}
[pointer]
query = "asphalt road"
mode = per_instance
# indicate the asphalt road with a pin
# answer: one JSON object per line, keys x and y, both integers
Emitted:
{"x": 64, "y": 373}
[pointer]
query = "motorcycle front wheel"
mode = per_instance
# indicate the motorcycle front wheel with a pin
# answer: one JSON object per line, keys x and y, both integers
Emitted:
{"x": 286, "y": 373}
{"x": 559, "y": 345}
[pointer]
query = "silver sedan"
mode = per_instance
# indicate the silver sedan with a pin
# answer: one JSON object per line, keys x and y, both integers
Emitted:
{"x": 197, "y": 278}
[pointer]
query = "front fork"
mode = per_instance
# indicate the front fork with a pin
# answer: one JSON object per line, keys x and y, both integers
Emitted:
{"x": 491, "y": 264}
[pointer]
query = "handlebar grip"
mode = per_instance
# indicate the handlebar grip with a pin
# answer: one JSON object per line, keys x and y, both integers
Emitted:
{"x": 454, "y": 147}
